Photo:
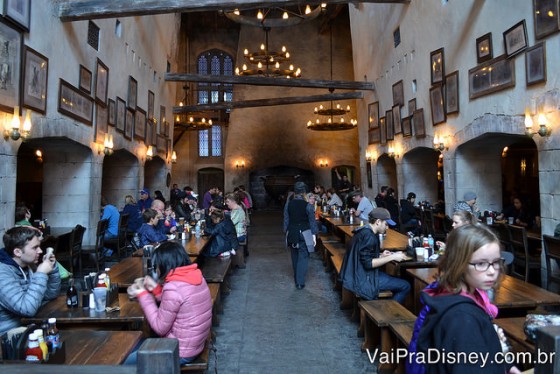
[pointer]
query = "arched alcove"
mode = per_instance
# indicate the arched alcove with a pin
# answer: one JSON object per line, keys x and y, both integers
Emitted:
{"x": 493, "y": 173}
{"x": 386, "y": 172}
{"x": 155, "y": 176}
{"x": 120, "y": 177}
{"x": 420, "y": 174}
{"x": 269, "y": 186}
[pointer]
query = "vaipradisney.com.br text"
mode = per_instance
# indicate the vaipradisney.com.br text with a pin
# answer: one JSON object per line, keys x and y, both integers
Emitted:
{"x": 442, "y": 356}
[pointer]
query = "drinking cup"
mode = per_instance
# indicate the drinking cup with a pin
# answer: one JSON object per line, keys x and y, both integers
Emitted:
{"x": 100, "y": 297}
{"x": 510, "y": 220}
{"x": 419, "y": 253}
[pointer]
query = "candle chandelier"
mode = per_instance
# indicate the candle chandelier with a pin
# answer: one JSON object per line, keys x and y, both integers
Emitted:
{"x": 275, "y": 16}
{"x": 267, "y": 63}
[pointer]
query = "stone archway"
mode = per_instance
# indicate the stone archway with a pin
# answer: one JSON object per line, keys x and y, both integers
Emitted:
{"x": 120, "y": 177}
{"x": 420, "y": 174}
{"x": 386, "y": 172}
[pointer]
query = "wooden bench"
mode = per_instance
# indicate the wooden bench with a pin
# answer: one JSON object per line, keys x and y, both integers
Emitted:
{"x": 200, "y": 365}
{"x": 323, "y": 243}
{"x": 334, "y": 248}
{"x": 377, "y": 316}
{"x": 402, "y": 331}
{"x": 216, "y": 302}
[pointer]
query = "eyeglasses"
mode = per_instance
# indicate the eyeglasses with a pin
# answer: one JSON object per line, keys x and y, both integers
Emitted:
{"x": 483, "y": 266}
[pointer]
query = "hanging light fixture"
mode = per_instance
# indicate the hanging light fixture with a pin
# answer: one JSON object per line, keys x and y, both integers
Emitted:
{"x": 174, "y": 157}
{"x": 334, "y": 113}
{"x": 275, "y": 16}
{"x": 267, "y": 63}
{"x": 192, "y": 121}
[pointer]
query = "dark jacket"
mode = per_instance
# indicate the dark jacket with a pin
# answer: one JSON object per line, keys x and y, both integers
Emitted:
{"x": 223, "y": 237}
{"x": 148, "y": 234}
{"x": 183, "y": 210}
{"x": 392, "y": 206}
{"x": 299, "y": 216}
{"x": 380, "y": 201}
{"x": 357, "y": 274}
{"x": 408, "y": 211}
{"x": 134, "y": 217}
{"x": 456, "y": 323}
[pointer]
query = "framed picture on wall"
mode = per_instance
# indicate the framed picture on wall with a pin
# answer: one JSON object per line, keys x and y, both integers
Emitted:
{"x": 437, "y": 105}
{"x": 132, "y": 92}
{"x": 111, "y": 109}
{"x": 535, "y": 64}
{"x": 491, "y": 76}
{"x": 437, "y": 66}
{"x": 419, "y": 127}
{"x": 484, "y": 48}
{"x": 35, "y": 79}
{"x": 121, "y": 114}
{"x": 129, "y": 123}
{"x": 397, "y": 119}
{"x": 369, "y": 174}
{"x": 515, "y": 39}
{"x": 389, "y": 125}
{"x": 10, "y": 60}
{"x": 407, "y": 126}
{"x": 374, "y": 136}
{"x": 452, "y": 93}
{"x": 75, "y": 103}
{"x": 148, "y": 140}
{"x": 373, "y": 115}
{"x": 162, "y": 120}
{"x": 544, "y": 23}
{"x": 140, "y": 124}
{"x": 19, "y": 11}
{"x": 382, "y": 131}
{"x": 411, "y": 106}
{"x": 151, "y": 103}
{"x": 101, "y": 82}
{"x": 101, "y": 125}
{"x": 398, "y": 93}
{"x": 86, "y": 79}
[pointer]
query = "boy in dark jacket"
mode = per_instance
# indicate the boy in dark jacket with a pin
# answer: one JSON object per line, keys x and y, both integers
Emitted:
{"x": 223, "y": 235}
{"x": 147, "y": 232}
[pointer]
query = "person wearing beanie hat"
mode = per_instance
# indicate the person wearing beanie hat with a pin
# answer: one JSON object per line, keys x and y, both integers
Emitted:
{"x": 468, "y": 203}
{"x": 408, "y": 212}
{"x": 360, "y": 272}
{"x": 301, "y": 230}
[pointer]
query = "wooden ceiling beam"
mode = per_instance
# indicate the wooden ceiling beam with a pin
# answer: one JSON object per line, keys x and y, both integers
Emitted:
{"x": 268, "y": 102}
{"x": 268, "y": 81}
{"x": 72, "y": 10}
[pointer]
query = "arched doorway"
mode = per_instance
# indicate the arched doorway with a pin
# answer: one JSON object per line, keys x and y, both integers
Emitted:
{"x": 422, "y": 173}
{"x": 386, "y": 172}
{"x": 208, "y": 178}
{"x": 120, "y": 177}
{"x": 155, "y": 176}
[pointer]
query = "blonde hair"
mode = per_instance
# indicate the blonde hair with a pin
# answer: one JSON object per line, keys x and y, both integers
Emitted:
{"x": 129, "y": 200}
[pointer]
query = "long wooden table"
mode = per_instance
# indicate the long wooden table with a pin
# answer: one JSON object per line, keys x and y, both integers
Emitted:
{"x": 88, "y": 347}
{"x": 393, "y": 240}
{"x": 513, "y": 295}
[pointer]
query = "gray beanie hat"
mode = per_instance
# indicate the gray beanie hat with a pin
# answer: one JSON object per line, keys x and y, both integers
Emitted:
{"x": 468, "y": 196}
{"x": 300, "y": 187}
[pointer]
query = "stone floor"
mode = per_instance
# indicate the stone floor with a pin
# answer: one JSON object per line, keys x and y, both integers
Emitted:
{"x": 268, "y": 326}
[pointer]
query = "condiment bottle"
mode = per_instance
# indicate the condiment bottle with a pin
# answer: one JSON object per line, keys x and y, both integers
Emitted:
{"x": 42, "y": 343}
{"x": 107, "y": 278}
{"x": 101, "y": 280}
{"x": 72, "y": 296}
{"x": 52, "y": 335}
{"x": 33, "y": 352}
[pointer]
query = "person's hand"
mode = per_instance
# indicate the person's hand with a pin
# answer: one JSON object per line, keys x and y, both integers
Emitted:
{"x": 48, "y": 264}
{"x": 399, "y": 256}
{"x": 149, "y": 283}
{"x": 134, "y": 290}
{"x": 385, "y": 253}
{"x": 441, "y": 245}
{"x": 514, "y": 370}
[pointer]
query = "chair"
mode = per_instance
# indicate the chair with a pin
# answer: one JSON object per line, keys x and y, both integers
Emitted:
{"x": 523, "y": 259}
{"x": 73, "y": 248}
{"x": 447, "y": 224}
{"x": 404, "y": 229}
{"x": 120, "y": 243}
{"x": 428, "y": 224}
{"x": 551, "y": 252}
{"x": 96, "y": 251}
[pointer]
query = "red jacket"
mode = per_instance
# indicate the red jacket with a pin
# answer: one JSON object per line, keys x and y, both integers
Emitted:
{"x": 185, "y": 309}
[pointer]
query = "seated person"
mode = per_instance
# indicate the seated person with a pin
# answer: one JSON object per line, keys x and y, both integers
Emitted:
{"x": 468, "y": 203}
{"x": 223, "y": 237}
{"x": 333, "y": 198}
{"x": 23, "y": 290}
{"x": 169, "y": 221}
{"x": 311, "y": 199}
{"x": 178, "y": 305}
{"x": 391, "y": 204}
{"x": 134, "y": 214}
{"x": 237, "y": 215}
{"x": 408, "y": 212}
{"x": 185, "y": 205}
{"x": 112, "y": 215}
{"x": 23, "y": 215}
{"x": 380, "y": 198}
{"x": 364, "y": 205}
{"x": 360, "y": 268}
{"x": 147, "y": 233}
{"x": 520, "y": 213}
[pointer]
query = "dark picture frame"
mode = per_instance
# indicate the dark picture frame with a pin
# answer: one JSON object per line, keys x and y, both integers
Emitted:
{"x": 74, "y": 103}
{"x": 418, "y": 121}
{"x": 149, "y": 132}
{"x": 101, "y": 82}
{"x": 11, "y": 41}
{"x": 132, "y": 92}
{"x": 161, "y": 144}
{"x": 437, "y": 66}
{"x": 492, "y": 76}
{"x": 452, "y": 93}
{"x": 19, "y": 12}
{"x": 389, "y": 125}
{"x": 111, "y": 112}
{"x": 129, "y": 123}
{"x": 544, "y": 24}
{"x": 382, "y": 131}
{"x": 407, "y": 126}
{"x": 151, "y": 104}
{"x": 101, "y": 123}
{"x": 162, "y": 120}
{"x": 397, "y": 119}
{"x": 369, "y": 174}
{"x": 86, "y": 79}
{"x": 35, "y": 80}
{"x": 373, "y": 115}
{"x": 411, "y": 106}
{"x": 484, "y": 49}
{"x": 515, "y": 39}
{"x": 535, "y": 64}
{"x": 374, "y": 135}
{"x": 121, "y": 115}
{"x": 437, "y": 105}
{"x": 398, "y": 93}
{"x": 140, "y": 124}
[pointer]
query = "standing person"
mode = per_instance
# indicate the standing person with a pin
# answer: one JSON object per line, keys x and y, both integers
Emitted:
{"x": 299, "y": 217}
{"x": 173, "y": 193}
{"x": 471, "y": 266}
{"x": 178, "y": 305}
{"x": 207, "y": 198}
{"x": 364, "y": 205}
{"x": 360, "y": 271}
{"x": 380, "y": 198}
{"x": 344, "y": 185}
{"x": 134, "y": 213}
{"x": 145, "y": 200}
{"x": 249, "y": 197}
{"x": 23, "y": 290}
{"x": 468, "y": 203}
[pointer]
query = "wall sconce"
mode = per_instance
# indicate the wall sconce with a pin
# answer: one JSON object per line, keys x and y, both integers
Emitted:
{"x": 368, "y": 156}
{"x": 323, "y": 163}
{"x": 240, "y": 164}
{"x": 174, "y": 157}
{"x": 149, "y": 153}
{"x": 108, "y": 145}
{"x": 439, "y": 143}
{"x": 391, "y": 152}
{"x": 543, "y": 128}
{"x": 39, "y": 155}
{"x": 12, "y": 128}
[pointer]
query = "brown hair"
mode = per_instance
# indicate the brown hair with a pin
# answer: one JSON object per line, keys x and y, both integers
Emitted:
{"x": 461, "y": 244}
{"x": 233, "y": 196}
{"x": 466, "y": 217}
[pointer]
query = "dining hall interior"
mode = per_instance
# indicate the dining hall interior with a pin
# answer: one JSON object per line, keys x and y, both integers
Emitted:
{"x": 440, "y": 98}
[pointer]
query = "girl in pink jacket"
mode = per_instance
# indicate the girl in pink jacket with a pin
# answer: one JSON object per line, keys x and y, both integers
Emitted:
{"x": 180, "y": 305}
